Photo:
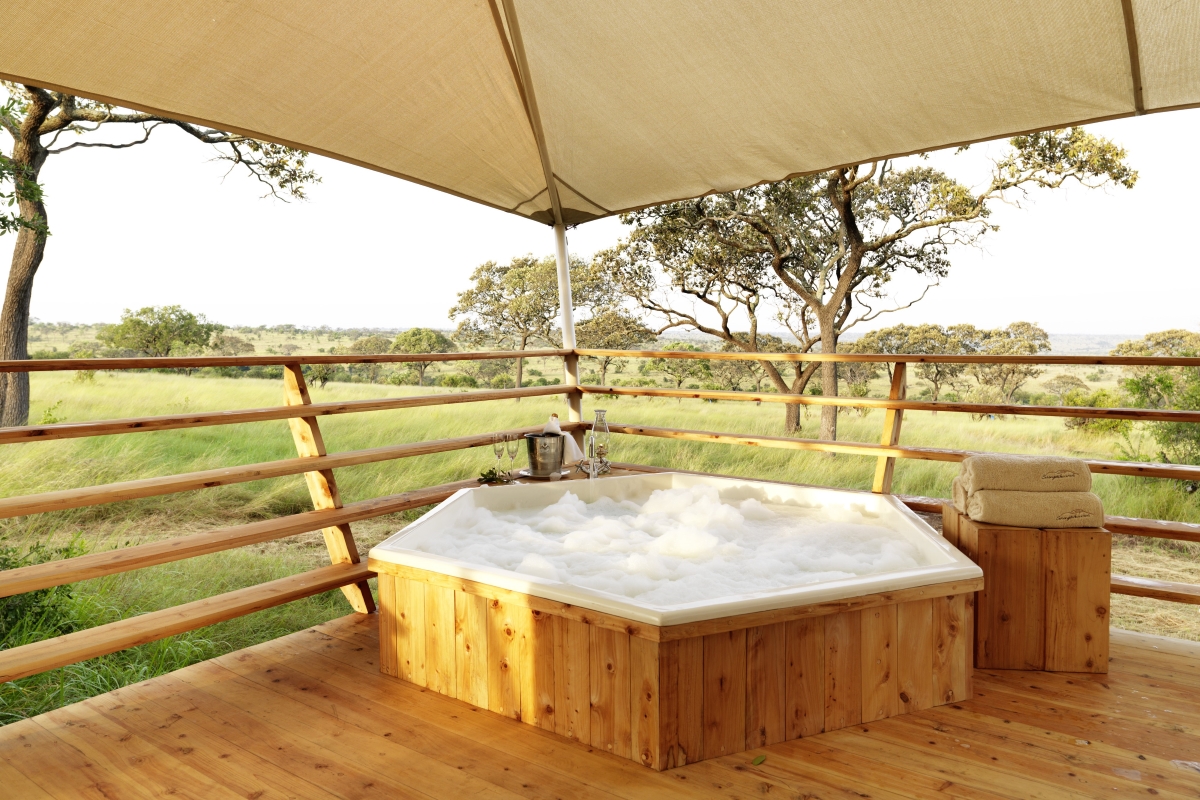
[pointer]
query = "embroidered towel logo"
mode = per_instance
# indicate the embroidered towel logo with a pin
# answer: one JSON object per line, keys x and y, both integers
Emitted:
{"x": 1075, "y": 513}
{"x": 1059, "y": 474}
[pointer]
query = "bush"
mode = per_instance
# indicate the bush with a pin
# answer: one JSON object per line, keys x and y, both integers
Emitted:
{"x": 457, "y": 380}
{"x": 502, "y": 381}
{"x": 409, "y": 377}
{"x": 1101, "y": 398}
{"x": 39, "y": 614}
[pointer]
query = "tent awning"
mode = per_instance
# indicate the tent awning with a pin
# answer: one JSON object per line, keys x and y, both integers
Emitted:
{"x": 627, "y": 103}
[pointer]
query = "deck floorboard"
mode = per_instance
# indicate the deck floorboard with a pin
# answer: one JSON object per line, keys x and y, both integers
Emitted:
{"x": 310, "y": 716}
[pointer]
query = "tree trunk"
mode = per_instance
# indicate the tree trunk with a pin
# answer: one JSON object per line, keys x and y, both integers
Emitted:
{"x": 829, "y": 386}
{"x": 791, "y": 419}
{"x": 27, "y": 255}
{"x": 520, "y": 368}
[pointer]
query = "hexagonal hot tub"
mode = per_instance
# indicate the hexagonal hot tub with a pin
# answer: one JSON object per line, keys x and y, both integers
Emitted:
{"x": 670, "y": 618}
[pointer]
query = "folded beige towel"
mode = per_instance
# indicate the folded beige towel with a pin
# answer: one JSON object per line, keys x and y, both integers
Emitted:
{"x": 1025, "y": 474}
{"x": 1036, "y": 509}
{"x": 958, "y": 492}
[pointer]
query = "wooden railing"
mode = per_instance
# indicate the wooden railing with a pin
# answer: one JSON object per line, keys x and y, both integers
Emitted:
{"x": 347, "y": 570}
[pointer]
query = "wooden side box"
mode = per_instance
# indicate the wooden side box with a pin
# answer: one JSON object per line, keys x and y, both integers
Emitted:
{"x": 1045, "y": 600}
{"x": 670, "y": 696}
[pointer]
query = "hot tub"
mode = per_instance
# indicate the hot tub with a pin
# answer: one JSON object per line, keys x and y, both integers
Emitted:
{"x": 707, "y": 615}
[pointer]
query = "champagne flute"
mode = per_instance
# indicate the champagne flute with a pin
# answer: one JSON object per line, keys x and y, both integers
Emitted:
{"x": 498, "y": 449}
{"x": 513, "y": 446}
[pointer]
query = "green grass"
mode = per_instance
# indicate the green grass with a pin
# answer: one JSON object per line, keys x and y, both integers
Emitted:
{"x": 46, "y": 466}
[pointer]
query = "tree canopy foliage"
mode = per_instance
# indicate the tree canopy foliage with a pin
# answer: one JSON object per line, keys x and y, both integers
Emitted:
{"x": 818, "y": 253}
{"x": 611, "y": 329}
{"x": 158, "y": 331}
{"x": 1167, "y": 388}
{"x": 416, "y": 341}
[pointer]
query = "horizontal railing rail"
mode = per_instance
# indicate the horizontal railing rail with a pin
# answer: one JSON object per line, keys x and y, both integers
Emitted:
{"x": 302, "y": 414}
{"x": 200, "y": 362}
{"x": 1086, "y": 412}
{"x": 78, "y": 430}
{"x": 900, "y": 358}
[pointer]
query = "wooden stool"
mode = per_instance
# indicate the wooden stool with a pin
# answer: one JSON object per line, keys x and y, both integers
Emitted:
{"x": 1044, "y": 602}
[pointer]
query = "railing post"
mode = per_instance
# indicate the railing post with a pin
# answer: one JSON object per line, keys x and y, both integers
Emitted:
{"x": 575, "y": 398}
{"x": 892, "y": 417}
{"x": 322, "y": 486}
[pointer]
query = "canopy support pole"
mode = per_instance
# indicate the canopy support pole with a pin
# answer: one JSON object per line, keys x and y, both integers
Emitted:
{"x": 571, "y": 362}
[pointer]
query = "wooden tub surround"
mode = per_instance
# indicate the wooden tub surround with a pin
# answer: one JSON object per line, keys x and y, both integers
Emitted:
{"x": 675, "y": 695}
{"x": 1045, "y": 602}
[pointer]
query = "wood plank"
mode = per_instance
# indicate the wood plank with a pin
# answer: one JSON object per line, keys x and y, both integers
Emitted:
{"x": 766, "y": 669}
{"x": 689, "y": 700}
{"x": 1077, "y": 566}
{"x": 439, "y": 640}
{"x": 1159, "y": 590}
{"x": 610, "y": 697}
{"x": 1134, "y": 468}
{"x": 59, "y": 769}
{"x": 506, "y": 628}
{"x": 879, "y": 672}
{"x": 804, "y": 680}
{"x": 322, "y": 486}
{"x": 843, "y": 670}
{"x": 893, "y": 417}
{"x": 869, "y": 358}
{"x": 1011, "y": 614}
{"x": 649, "y": 742}
{"x": 950, "y": 523}
{"x": 952, "y": 637}
{"x": 167, "y": 422}
{"x": 1157, "y": 528}
{"x": 742, "y": 621}
{"x": 537, "y": 671}
{"x": 914, "y": 655}
{"x": 388, "y": 648}
{"x": 572, "y": 679}
{"x": 197, "y": 362}
{"x": 30, "y": 659}
{"x": 410, "y": 631}
{"x": 470, "y": 649}
{"x": 226, "y": 476}
{"x": 724, "y": 693}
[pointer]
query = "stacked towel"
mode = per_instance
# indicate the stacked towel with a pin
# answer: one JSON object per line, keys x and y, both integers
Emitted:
{"x": 1028, "y": 492}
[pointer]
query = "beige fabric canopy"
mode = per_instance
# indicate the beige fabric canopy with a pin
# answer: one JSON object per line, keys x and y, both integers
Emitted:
{"x": 627, "y": 103}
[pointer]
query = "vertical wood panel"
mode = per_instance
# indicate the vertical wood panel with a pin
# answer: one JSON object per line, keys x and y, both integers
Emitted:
{"x": 766, "y": 662}
{"x": 951, "y": 662}
{"x": 504, "y": 658}
{"x": 914, "y": 655}
{"x": 690, "y": 692}
{"x": 843, "y": 664}
{"x": 1078, "y": 567}
{"x": 537, "y": 671}
{"x": 610, "y": 691}
{"x": 572, "y": 680}
{"x": 950, "y": 524}
{"x": 1011, "y": 615}
{"x": 410, "y": 631}
{"x": 724, "y": 693}
{"x": 388, "y": 651}
{"x": 804, "y": 693}
{"x": 471, "y": 648}
{"x": 439, "y": 639}
{"x": 880, "y": 692}
{"x": 646, "y": 704}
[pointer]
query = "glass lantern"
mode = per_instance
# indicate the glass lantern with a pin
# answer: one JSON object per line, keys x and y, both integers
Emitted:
{"x": 597, "y": 462}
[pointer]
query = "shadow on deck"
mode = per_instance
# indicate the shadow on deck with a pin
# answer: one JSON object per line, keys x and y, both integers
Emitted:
{"x": 309, "y": 715}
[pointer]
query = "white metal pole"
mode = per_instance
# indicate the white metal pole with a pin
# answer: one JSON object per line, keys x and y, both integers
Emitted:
{"x": 571, "y": 362}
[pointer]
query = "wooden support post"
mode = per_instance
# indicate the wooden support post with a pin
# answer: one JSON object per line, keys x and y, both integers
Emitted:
{"x": 322, "y": 486}
{"x": 892, "y": 417}
{"x": 574, "y": 399}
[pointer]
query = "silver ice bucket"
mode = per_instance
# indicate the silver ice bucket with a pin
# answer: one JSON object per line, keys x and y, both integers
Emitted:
{"x": 545, "y": 454}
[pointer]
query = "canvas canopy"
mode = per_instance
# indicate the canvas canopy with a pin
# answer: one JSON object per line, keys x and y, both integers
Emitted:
{"x": 626, "y": 103}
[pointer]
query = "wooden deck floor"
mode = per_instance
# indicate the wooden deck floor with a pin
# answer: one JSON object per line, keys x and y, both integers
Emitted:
{"x": 309, "y": 716}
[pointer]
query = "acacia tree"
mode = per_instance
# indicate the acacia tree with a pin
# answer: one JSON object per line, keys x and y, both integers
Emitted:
{"x": 822, "y": 249}
{"x": 679, "y": 369}
{"x": 44, "y": 123}
{"x": 1018, "y": 339}
{"x": 515, "y": 305}
{"x": 420, "y": 341}
{"x": 611, "y": 329}
{"x": 157, "y": 331}
{"x": 924, "y": 339}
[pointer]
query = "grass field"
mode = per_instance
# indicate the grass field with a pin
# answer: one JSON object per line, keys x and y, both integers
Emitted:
{"x": 58, "y": 465}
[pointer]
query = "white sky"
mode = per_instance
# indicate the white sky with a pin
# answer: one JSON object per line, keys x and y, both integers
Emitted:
{"x": 157, "y": 224}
